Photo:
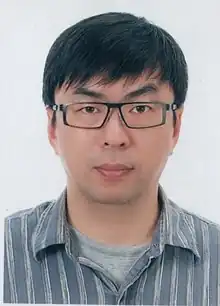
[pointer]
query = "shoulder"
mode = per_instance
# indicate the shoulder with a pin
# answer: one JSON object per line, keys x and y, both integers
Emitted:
{"x": 204, "y": 232}
{"x": 203, "y": 222}
{"x": 23, "y": 221}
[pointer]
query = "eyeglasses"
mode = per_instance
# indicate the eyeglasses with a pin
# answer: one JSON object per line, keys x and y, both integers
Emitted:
{"x": 93, "y": 115}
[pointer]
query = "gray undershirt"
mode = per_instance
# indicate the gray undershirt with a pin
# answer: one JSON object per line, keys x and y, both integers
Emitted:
{"x": 116, "y": 261}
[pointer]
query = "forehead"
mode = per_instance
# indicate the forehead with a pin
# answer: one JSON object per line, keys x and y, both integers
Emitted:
{"x": 122, "y": 88}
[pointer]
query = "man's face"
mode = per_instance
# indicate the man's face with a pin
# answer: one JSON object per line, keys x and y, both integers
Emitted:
{"x": 92, "y": 158}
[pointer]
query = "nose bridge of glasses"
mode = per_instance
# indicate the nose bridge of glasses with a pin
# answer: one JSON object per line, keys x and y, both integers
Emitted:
{"x": 114, "y": 106}
{"x": 114, "y": 109}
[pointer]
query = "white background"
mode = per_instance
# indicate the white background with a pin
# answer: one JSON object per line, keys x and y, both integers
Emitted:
{"x": 30, "y": 172}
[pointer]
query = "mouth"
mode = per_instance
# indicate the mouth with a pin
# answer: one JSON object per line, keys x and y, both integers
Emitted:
{"x": 114, "y": 171}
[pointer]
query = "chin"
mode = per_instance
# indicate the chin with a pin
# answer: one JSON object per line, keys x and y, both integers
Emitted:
{"x": 111, "y": 197}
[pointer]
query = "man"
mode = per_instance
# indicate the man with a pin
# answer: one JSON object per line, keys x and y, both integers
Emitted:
{"x": 114, "y": 87}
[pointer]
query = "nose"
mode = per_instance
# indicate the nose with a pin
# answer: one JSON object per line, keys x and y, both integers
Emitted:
{"x": 115, "y": 132}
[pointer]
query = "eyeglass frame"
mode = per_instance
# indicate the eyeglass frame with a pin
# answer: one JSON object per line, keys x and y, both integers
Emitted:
{"x": 165, "y": 108}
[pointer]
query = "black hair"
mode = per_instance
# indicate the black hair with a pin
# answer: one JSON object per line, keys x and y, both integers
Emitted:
{"x": 113, "y": 46}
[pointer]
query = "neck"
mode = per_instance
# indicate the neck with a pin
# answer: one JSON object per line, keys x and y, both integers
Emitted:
{"x": 131, "y": 224}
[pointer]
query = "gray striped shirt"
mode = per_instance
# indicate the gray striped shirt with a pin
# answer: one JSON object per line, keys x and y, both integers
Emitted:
{"x": 41, "y": 264}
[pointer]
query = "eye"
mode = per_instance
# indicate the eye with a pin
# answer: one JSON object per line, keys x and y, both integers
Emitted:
{"x": 89, "y": 109}
{"x": 142, "y": 108}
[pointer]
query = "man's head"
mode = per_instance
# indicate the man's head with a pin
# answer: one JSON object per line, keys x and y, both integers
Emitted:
{"x": 114, "y": 58}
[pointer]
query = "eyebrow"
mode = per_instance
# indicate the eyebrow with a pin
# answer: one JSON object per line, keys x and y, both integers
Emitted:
{"x": 149, "y": 88}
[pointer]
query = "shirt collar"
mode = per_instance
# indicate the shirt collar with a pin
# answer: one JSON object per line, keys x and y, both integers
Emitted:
{"x": 52, "y": 227}
{"x": 175, "y": 227}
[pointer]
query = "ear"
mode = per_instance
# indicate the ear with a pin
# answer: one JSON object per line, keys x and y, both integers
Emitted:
{"x": 51, "y": 131}
{"x": 177, "y": 126}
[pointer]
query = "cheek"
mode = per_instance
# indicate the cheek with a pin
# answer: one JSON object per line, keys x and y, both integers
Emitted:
{"x": 65, "y": 141}
{"x": 156, "y": 144}
{"x": 72, "y": 146}
{"x": 155, "y": 154}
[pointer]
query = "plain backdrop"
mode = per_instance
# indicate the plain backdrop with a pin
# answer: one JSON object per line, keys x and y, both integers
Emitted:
{"x": 31, "y": 173}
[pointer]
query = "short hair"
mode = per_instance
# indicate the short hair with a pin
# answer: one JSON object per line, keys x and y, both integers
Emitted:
{"x": 113, "y": 46}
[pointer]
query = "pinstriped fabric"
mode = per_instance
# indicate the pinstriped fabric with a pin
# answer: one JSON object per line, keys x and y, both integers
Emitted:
{"x": 218, "y": 281}
{"x": 139, "y": 298}
{"x": 175, "y": 278}
{"x": 46, "y": 282}
{"x": 190, "y": 282}
{"x": 41, "y": 264}
{"x": 27, "y": 263}
{"x": 81, "y": 285}
{"x": 63, "y": 279}
{"x": 206, "y": 268}
{"x": 100, "y": 290}
{"x": 158, "y": 281}
{"x": 9, "y": 253}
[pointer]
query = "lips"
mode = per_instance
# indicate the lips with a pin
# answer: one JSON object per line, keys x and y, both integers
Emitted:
{"x": 113, "y": 171}
{"x": 114, "y": 167}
